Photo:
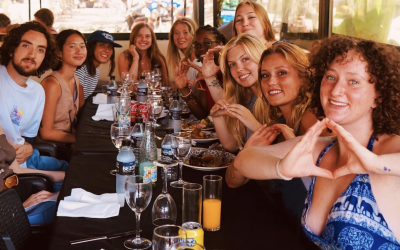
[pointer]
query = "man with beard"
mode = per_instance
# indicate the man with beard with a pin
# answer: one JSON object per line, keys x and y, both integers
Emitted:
{"x": 27, "y": 50}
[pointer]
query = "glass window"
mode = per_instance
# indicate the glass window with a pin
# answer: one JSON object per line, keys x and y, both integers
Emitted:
{"x": 377, "y": 20}
{"x": 114, "y": 16}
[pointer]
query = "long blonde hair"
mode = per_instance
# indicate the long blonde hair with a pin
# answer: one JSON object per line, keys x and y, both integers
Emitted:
{"x": 298, "y": 59}
{"x": 236, "y": 93}
{"x": 262, "y": 14}
{"x": 173, "y": 53}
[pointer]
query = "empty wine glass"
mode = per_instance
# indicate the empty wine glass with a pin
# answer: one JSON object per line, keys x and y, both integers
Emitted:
{"x": 123, "y": 106}
{"x": 180, "y": 151}
{"x": 118, "y": 133}
{"x": 126, "y": 79}
{"x": 164, "y": 207}
{"x": 165, "y": 236}
{"x": 138, "y": 194}
{"x": 156, "y": 104}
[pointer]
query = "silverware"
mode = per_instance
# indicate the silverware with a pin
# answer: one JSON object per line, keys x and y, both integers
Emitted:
{"x": 105, "y": 237}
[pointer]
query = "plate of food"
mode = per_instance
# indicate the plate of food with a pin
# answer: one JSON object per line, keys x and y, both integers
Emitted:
{"x": 203, "y": 136}
{"x": 208, "y": 159}
{"x": 204, "y": 124}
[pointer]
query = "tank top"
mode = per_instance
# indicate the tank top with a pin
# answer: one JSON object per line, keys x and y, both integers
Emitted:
{"x": 67, "y": 105}
{"x": 354, "y": 221}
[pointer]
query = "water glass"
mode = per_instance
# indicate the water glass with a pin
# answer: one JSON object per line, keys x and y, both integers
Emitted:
{"x": 212, "y": 195}
{"x": 192, "y": 202}
{"x": 165, "y": 236}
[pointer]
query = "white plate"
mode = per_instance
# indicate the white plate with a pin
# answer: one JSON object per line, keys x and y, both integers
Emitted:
{"x": 195, "y": 151}
{"x": 213, "y": 138}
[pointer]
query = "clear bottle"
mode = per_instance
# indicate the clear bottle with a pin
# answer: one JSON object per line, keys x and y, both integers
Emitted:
{"x": 112, "y": 89}
{"x": 167, "y": 154}
{"x": 125, "y": 165}
{"x": 137, "y": 135}
{"x": 142, "y": 90}
{"x": 175, "y": 108}
{"x": 148, "y": 154}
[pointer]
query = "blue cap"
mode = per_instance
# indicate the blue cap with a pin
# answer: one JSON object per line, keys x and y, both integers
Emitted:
{"x": 102, "y": 36}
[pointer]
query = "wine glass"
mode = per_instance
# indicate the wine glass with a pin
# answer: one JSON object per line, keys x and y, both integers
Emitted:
{"x": 156, "y": 104}
{"x": 118, "y": 133}
{"x": 164, "y": 208}
{"x": 138, "y": 194}
{"x": 126, "y": 79}
{"x": 123, "y": 105}
{"x": 180, "y": 151}
{"x": 165, "y": 236}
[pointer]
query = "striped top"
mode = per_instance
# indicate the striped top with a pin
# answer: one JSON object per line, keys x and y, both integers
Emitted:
{"x": 88, "y": 82}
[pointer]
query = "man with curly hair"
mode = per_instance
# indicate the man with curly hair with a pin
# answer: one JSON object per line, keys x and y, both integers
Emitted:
{"x": 27, "y": 50}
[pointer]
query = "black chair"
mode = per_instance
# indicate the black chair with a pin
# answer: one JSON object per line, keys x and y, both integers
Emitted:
{"x": 15, "y": 229}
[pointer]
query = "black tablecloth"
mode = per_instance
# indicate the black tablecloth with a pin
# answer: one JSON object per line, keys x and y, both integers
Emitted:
{"x": 249, "y": 221}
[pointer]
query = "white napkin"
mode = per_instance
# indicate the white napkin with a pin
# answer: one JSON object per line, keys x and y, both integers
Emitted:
{"x": 85, "y": 204}
{"x": 100, "y": 98}
{"x": 104, "y": 112}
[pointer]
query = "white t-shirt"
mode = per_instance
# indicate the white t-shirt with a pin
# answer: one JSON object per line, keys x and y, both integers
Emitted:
{"x": 21, "y": 107}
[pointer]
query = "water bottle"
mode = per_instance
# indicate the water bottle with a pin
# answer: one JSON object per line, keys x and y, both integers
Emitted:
{"x": 167, "y": 154}
{"x": 137, "y": 135}
{"x": 112, "y": 88}
{"x": 125, "y": 165}
{"x": 175, "y": 108}
{"x": 148, "y": 154}
{"x": 142, "y": 90}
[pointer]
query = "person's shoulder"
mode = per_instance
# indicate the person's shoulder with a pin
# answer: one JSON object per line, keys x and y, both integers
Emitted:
{"x": 387, "y": 144}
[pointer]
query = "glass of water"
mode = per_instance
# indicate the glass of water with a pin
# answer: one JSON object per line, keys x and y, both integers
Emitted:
{"x": 183, "y": 142}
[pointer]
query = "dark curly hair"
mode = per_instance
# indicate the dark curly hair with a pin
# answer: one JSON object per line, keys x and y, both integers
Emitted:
{"x": 218, "y": 36}
{"x": 383, "y": 66}
{"x": 60, "y": 41}
{"x": 13, "y": 38}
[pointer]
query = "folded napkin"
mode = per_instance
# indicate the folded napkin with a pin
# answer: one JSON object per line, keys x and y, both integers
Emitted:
{"x": 100, "y": 98}
{"x": 85, "y": 204}
{"x": 104, "y": 112}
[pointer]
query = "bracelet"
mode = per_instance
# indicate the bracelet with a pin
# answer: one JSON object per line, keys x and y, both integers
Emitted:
{"x": 188, "y": 97}
{"x": 184, "y": 96}
{"x": 277, "y": 165}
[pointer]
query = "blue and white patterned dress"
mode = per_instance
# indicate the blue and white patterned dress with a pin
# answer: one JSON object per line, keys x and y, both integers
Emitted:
{"x": 354, "y": 221}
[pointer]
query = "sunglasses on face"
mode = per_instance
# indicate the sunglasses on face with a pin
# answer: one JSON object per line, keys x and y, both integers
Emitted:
{"x": 207, "y": 43}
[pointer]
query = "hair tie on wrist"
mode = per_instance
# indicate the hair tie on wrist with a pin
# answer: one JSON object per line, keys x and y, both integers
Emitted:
{"x": 277, "y": 165}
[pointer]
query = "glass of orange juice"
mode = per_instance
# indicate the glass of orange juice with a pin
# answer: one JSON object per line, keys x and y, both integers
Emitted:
{"x": 212, "y": 194}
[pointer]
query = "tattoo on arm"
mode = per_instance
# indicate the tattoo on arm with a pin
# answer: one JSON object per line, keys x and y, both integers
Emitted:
{"x": 386, "y": 169}
{"x": 214, "y": 83}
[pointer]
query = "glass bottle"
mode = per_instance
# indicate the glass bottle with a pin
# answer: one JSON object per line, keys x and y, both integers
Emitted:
{"x": 137, "y": 135}
{"x": 148, "y": 154}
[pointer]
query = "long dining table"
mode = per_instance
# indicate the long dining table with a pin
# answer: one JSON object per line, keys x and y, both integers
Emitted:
{"x": 249, "y": 220}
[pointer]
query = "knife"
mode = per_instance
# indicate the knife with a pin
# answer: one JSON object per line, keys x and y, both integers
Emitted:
{"x": 105, "y": 237}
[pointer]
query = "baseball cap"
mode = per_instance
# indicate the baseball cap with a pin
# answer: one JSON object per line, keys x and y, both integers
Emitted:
{"x": 102, "y": 36}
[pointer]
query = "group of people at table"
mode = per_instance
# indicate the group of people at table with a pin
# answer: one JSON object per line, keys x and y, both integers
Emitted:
{"x": 332, "y": 114}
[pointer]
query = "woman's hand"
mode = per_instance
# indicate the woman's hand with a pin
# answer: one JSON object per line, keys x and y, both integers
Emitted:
{"x": 359, "y": 159}
{"x": 36, "y": 198}
{"x": 299, "y": 161}
{"x": 219, "y": 108}
{"x": 181, "y": 80}
{"x": 263, "y": 136}
{"x": 286, "y": 131}
{"x": 209, "y": 69}
{"x": 134, "y": 53}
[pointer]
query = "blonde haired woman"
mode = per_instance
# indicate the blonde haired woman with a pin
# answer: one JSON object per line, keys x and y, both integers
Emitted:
{"x": 143, "y": 53}
{"x": 252, "y": 18}
{"x": 241, "y": 111}
{"x": 180, "y": 41}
